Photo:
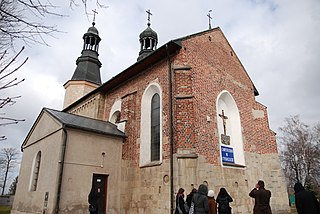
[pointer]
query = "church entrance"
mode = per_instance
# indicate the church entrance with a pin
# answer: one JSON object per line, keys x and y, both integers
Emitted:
{"x": 99, "y": 189}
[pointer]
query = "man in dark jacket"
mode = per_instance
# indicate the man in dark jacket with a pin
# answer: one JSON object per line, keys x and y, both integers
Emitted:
{"x": 200, "y": 200}
{"x": 306, "y": 202}
{"x": 262, "y": 199}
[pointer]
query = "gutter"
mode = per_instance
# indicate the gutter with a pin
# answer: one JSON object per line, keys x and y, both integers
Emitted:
{"x": 61, "y": 166}
{"x": 170, "y": 131}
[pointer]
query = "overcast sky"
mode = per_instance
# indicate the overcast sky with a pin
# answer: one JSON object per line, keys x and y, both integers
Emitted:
{"x": 278, "y": 43}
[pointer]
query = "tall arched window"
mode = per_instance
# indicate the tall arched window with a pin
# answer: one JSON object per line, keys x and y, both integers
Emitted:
{"x": 35, "y": 172}
{"x": 229, "y": 129}
{"x": 155, "y": 128}
{"x": 151, "y": 126}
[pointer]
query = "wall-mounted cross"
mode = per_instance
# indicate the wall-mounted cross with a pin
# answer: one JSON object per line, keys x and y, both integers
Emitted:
{"x": 224, "y": 120}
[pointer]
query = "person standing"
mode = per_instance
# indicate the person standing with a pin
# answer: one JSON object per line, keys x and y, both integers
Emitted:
{"x": 306, "y": 202}
{"x": 262, "y": 199}
{"x": 223, "y": 200}
{"x": 180, "y": 209}
{"x": 212, "y": 203}
{"x": 190, "y": 196}
{"x": 200, "y": 200}
{"x": 93, "y": 199}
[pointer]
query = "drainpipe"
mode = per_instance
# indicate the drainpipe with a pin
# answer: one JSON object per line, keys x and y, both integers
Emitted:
{"x": 170, "y": 131}
{"x": 61, "y": 162}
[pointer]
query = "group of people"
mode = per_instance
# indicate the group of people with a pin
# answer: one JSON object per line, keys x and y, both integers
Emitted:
{"x": 202, "y": 201}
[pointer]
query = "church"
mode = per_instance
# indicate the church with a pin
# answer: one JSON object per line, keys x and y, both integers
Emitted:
{"x": 184, "y": 114}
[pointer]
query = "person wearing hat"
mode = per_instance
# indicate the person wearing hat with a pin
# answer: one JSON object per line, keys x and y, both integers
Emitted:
{"x": 212, "y": 203}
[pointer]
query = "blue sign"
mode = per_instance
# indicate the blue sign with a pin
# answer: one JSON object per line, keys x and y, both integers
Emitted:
{"x": 227, "y": 154}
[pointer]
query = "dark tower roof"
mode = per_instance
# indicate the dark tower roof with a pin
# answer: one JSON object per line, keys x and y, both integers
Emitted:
{"x": 148, "y": 40}
{"x": 88, "y": 64}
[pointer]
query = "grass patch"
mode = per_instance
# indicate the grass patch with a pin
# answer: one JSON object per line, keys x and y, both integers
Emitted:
{"x": 5, "y": 209}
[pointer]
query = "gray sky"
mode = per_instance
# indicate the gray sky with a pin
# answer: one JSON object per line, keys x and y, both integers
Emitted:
{"x": 276, "y": 41}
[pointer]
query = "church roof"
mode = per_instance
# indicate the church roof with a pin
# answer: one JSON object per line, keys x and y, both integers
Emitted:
{"x": 170, "y": 48}
{"x": 85, "y": 123}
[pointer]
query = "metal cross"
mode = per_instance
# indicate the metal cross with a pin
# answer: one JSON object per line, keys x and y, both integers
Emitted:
{"x": 209, "y": 16}
{"x": 224, "y": 119}
{"x": 149, "y": 14}
{"x": 94, "y": 15}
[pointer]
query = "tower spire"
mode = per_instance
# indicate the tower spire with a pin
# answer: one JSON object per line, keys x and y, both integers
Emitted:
{"x": 86, "y": 76}
{"x": 148, "y": 40}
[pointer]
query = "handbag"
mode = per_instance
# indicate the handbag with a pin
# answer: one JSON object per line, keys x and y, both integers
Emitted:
{"x": 191, "y": 210}
{"x": 92, "y": 208}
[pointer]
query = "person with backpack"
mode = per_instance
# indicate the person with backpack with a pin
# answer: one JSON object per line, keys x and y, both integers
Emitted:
{"x": 223, "y": 200}
{"x": 262, "y": 199}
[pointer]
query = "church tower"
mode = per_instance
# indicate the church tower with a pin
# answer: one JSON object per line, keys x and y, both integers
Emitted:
{"x": 148, "y": 40}
{"x": 86, "y": 77}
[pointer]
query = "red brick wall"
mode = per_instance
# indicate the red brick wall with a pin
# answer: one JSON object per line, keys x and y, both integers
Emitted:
{"x": 214, "y": 67}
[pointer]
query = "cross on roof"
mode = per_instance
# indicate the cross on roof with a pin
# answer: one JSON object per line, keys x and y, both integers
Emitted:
{"x": 149, "y": 14}
{"x": 209, "y": 16}
{"x": 94, "y": 16}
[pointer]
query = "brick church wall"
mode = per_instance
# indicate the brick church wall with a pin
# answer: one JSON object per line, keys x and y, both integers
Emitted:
{"x": 204, "y": 67}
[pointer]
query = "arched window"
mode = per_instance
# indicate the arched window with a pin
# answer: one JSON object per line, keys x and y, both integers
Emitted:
{"x": 115, "y": 115}
{"x": 151, "y": 126}
{"x": 155, "y": 128}
{"x": 229, "y": 129}
{"x": 35, "y": 172}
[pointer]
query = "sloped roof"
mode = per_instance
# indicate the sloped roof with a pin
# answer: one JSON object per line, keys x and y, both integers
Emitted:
{"x": 85, "y": 123}
{"x": 170, "y": 48}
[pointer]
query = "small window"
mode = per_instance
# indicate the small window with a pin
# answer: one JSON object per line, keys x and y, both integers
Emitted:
{"x": 35, "y": 172}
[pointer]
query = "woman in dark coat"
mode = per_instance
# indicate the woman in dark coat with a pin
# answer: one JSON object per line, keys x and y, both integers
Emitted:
{"x": 306, "y": 202}
{"x": 180, "y": 209}
{"x": 223, "y": 200}
{"x": 262, "y": 199}
{"x": 200, "y": 200}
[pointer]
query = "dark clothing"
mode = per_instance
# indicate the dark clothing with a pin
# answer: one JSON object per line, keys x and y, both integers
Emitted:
{"x": 306, "y": 202}
{"x": 223, "y": 201}
{"x": 180, "y": 202}
{"x": 262, "y": 201}
{"x": 93, "y": 200}
{"x": 200, "y": 200}
{"x": 189, "y": 199}
{"x": 212, "y": 205}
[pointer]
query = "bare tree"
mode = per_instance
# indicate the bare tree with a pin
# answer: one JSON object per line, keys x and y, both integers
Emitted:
{"x": 300, "y": 152}
{"x": 22, "y": 20}
{"x": 7, "y": 69}
{"x": 13, "y": 186}
{"x": 8, "y": 157}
